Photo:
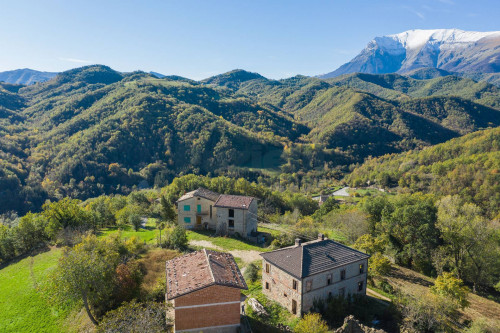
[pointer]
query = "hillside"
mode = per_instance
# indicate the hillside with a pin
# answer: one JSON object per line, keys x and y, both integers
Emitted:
{"x": 468, "y": 166}
{"x": 93, "y": 130}
{"x": 25, "y": 76}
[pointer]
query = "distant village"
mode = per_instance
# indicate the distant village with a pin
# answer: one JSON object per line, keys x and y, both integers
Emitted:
{"x": 204, "y": 287}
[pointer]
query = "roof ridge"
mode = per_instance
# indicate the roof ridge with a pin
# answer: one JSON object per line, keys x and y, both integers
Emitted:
{"x": 209, "y": 266}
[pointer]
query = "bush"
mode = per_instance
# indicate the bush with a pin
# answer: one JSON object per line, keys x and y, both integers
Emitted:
{"x": 311, "y": 323}
{"x": 450, "y": 286}
{"x": 252, "y": 272}
{"x": 386, "y": 286}
{"x": 176, "y": 238}
{"x": 379, "y": 265}
{"x": 135, "y": 317}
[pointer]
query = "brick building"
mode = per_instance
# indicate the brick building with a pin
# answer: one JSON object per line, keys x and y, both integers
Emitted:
{"x": 297, "y": 275}
{"x": 204, "y": 288}
{"x": 203, "y": 208}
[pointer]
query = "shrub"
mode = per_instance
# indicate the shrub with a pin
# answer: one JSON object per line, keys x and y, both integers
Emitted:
{"x": 450, "y": 286}
{"x": 252, "y": 272}
{"x": 311, "y": 323}
{"x": 379, "y": 265}
{"x": 176, "y": 238}
{"x": 135, "y": 317}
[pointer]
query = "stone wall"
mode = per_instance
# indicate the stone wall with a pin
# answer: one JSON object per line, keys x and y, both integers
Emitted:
{"x": 281, "y": 284}
{"x": 320, "y": 289}
{"x": 245, "y": 221}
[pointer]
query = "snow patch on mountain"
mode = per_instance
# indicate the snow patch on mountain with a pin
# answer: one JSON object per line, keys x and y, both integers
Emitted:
{"x": 416, "y": 39}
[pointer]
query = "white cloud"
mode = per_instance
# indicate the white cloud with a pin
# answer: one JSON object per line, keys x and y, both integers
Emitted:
{"x": 79, "y": 61}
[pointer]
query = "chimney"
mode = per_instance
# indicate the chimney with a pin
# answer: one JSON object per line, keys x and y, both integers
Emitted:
{"x": 298, "y": 242}
{"x": 321, "y": 237}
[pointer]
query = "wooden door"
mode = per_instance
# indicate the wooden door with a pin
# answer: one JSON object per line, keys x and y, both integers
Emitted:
{"x": 198, "y": 220}
{"x": 294, "y": 306}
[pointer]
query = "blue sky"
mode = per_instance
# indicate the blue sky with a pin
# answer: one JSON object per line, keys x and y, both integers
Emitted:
{"x": 198, "y": 39}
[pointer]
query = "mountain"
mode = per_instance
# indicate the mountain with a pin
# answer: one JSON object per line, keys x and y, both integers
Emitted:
{"x": 452, "y": 50}
{"x": 468, "y": 166}
{"x": 25, "y": 76}
{"x": 93, "y": 130}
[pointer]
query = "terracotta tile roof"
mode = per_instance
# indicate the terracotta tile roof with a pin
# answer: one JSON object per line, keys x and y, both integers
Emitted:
{"x": 200, "y": 192}
{"x": 234, "y": 201}
{"x": 201, "y": 269}
{"x": 313, "y": 257}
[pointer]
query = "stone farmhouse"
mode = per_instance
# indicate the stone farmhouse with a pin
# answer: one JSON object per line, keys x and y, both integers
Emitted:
{"x": 297, "y": 275}
{"x": 204, "y": 288}
{"x": 205, "y": 209}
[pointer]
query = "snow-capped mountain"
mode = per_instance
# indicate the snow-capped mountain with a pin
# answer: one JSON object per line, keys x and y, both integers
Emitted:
{"x": 453, "y": 50}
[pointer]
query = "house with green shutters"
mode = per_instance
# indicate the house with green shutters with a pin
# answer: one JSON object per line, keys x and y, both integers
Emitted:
{"x": 205, "y": 209}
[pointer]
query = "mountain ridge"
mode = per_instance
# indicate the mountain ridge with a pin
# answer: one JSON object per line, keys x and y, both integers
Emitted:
{"x": 452, "y": 50}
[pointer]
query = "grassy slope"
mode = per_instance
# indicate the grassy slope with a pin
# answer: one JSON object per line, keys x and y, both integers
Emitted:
{"x": 22, "y": 308}
{"x": 414, "y": 283}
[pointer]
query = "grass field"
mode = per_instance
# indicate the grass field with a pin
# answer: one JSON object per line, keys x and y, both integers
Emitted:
{"x": 227, "y": 243}
{"x": 22, "y": 308}
{"x": 149, "y": 234}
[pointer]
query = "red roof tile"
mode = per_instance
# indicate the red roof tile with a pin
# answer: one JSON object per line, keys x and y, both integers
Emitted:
{"x": 201, "y": 269}
{"x": 234, "y": 201}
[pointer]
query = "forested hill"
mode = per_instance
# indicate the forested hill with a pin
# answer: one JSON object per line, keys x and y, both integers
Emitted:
{"x": 93, "y": 130}
{"x": 468, "y": 166}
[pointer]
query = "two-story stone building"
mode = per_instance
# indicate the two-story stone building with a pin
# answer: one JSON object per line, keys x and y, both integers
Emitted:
{"x": 297, "y": 275}
{"x": 209, "y": 210}
{"x": 205, "y": 290}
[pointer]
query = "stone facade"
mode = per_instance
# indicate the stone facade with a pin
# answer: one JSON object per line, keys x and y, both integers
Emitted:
{"x": 244, "y": 221}
{"x": 330, "y": 283}
{"x": 211, "y": 309}
{"x": 197, "y": 212}
{"x": 278, "y": 285}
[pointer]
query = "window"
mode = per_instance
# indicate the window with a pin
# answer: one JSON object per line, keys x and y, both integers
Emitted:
{"x": 309, "y": 285}
{"x": 342, "y": 274}
{"x": 361, "y": 268}
{"x": 187, "y": 208}
{"x": 284, "y": 294}
{"x": 294, "y": 284}
{"x": 360, "y": 286}
{"x": 267, "y": 285}
{"x": 210, "y": 211}
{"x": 198, "y": 208}
{"x": 231, "y": 213}
{"x": 342, "y": 292}
{"x": 329, "y": 279}
{"x": 268, "y": 268}
{"x": 230, "y": 223}
{"x": 187, "y": 219}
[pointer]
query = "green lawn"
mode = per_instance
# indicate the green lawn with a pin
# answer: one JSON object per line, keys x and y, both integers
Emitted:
{"x": 22, "y": 308}
{"x": 149, "y": 235}
{"x": 227, "y": 243}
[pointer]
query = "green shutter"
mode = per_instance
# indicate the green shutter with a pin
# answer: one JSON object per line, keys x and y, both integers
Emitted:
{"x": 198, "y": 208}
{"x": 187, "y": 208}
{"x": 187, "y": 219}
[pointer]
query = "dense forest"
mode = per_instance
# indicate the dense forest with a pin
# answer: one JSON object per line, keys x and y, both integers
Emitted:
{"x": 93, "y": 131}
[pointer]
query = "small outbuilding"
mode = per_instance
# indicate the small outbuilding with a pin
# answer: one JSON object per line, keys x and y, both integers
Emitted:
{"x": 205, "y": 290}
